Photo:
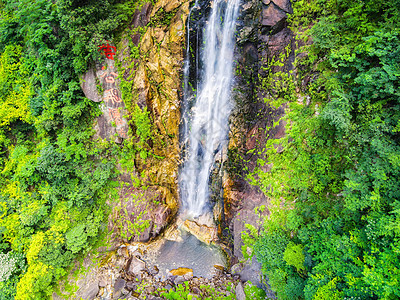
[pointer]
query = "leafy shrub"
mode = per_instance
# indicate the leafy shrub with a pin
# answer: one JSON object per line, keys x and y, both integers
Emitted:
{"x": 76, "y": 238}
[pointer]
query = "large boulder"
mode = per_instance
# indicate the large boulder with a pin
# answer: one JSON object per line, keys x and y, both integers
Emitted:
{"x": 273, "y": 16}
{"x": 88, "y": 84}
{"x": 180, "y": 275}
{"x": 135, "y": 266}
{"x": 203, "y": 233}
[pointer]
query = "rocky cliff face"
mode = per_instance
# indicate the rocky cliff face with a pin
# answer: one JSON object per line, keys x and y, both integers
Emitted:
{"x": 157, "y": 86}
{"x": 150, "y": 58}
{"x": 263, "y": 38}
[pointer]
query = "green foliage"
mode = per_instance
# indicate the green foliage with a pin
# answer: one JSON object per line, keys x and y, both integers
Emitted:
{"x": 54, "y": 177}
{"x": 339, "y": 172}
{"x": 253, "y": 292}
{"x": 294, "y": 256}
{"x": 270, "y": 248}
{"x": 76, "y": 238}
{"x": 183, "y": 292}
{"x": 162, "y": 18}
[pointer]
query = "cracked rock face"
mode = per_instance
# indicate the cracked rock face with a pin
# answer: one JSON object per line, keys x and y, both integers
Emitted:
{"x": 272, "y": 15}
{"x": 284, "y": 5}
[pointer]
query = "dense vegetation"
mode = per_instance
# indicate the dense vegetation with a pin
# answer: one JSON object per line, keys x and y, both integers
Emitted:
{"x": 53, "y": 175}
{"x": 334, "y": 229}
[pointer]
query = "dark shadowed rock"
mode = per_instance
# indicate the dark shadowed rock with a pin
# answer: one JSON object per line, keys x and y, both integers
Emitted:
{"x": 146, "y": 234}
{"x": 142, "y": 17}
{"x": 277, "y": 44}
{"x": 136, "y": 39}
{"x": 161, "y": 215}
{"x": 251, "y": 271}
{"x": 246, "y": 215}
{"x": 279, "y": 131}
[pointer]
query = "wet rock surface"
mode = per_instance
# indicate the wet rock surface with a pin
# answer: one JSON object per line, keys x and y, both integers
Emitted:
{"x": 202, "y": 232}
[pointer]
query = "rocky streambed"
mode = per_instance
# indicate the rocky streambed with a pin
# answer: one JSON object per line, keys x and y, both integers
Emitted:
{"x": 131, "y": 273}
{"x": 139, "y": 278}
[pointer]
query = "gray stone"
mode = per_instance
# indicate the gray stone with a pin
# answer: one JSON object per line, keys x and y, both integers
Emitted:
{"x": 88, "y": 85}
{"x": 119, "y": 284}
{"x": 179, "y": 280}
{"x": 196, "y": 290}
{"x": 131, "y": 286}
{"x": 237, "y": 268}
{"x": 252, "y": 272}
{"x": 161, "y": 217}
{"x": 240, "y": 295}
{"x": 89, "y": 292}
{"x": 150, "y": 289}
{"x": 154, "y": 271}
{"x": 242, "y": 217}
{"x": 136, "y": 266}
{"x": 102, "y": 283}
{"x": 124, "y": 291}
{"x": 146, "y": 234}
{"x": 123, "y": 251}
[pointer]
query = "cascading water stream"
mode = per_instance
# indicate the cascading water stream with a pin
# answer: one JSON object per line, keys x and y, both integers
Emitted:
{"x": 206, "y": 108}
{"x": 205, "y": 126}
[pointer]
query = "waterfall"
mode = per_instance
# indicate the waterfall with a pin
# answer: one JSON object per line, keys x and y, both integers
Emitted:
{"x": 207, "y": 105}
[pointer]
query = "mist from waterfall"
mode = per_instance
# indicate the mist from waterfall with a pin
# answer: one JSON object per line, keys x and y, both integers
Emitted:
{"x": 207, "y": 103}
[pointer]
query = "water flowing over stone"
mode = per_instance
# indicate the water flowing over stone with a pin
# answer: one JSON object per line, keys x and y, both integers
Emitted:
{"x": 207, "y": 106}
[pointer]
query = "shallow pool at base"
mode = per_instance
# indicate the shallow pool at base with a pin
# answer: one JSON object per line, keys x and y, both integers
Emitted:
{"x": 189, "y": 253}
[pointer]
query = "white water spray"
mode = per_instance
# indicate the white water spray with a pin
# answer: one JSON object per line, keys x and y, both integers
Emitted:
{"x": 207, "y": 129}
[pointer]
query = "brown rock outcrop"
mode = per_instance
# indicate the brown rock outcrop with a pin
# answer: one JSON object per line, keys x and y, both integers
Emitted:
{"x": 203, "y": 233}
{"x": 156, "y": 87}
{"x": 272, "y": 15}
